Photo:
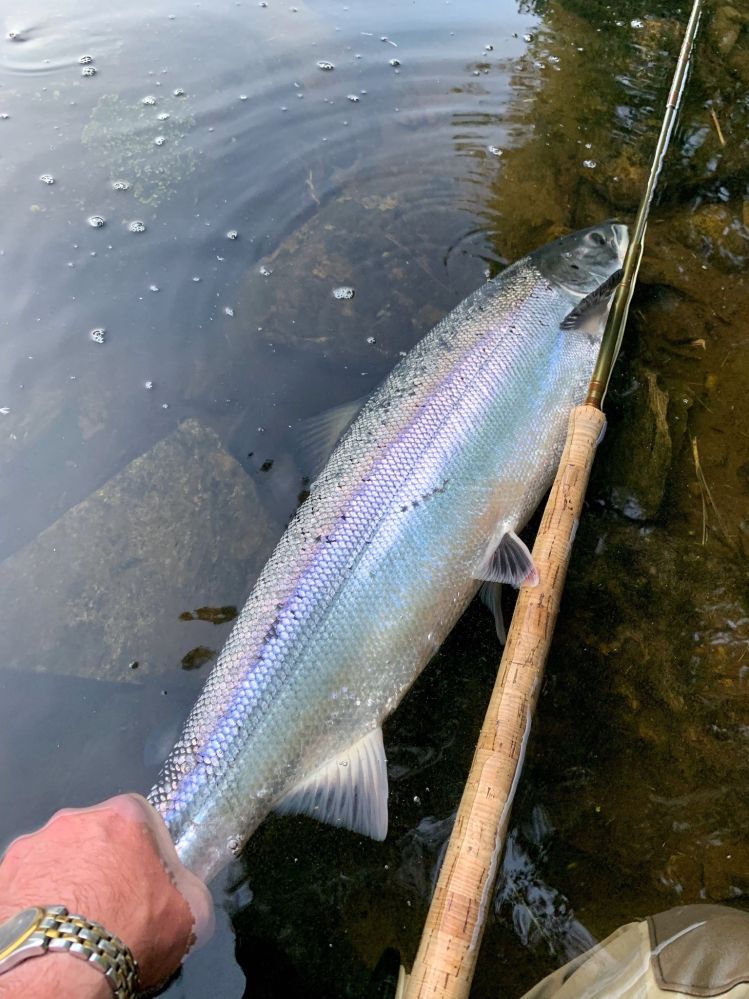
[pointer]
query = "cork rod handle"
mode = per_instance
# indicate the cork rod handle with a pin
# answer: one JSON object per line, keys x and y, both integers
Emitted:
{"x": 446, "y": 959}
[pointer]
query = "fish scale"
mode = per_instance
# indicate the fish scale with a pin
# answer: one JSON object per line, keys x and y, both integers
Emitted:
{"x": 454, "y": 450}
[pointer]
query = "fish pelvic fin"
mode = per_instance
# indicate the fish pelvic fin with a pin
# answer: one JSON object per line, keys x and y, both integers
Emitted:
{"x": 510, "y": 561}
{"x": 490, "y": 595}
{"x": 351, "y": 790}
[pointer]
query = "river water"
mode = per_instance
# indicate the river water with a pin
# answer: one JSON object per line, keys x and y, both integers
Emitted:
{"x": 191, "y": 196}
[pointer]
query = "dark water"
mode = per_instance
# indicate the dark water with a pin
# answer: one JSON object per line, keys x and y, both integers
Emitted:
{"x": 448, "y": 139}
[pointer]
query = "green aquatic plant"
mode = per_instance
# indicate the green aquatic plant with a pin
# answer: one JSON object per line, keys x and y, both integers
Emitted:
{"x": 144, "y": 146}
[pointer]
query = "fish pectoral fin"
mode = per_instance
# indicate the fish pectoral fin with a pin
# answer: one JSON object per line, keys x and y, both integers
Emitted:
{"x": 592, "y": 310}
{"x": 351, "y": 790}
{"x": 510, "y": 561}
{"x": 491, "y": 596}
{"x": 319, "y": 434}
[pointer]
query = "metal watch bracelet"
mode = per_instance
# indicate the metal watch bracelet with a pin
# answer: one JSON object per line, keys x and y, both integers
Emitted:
{"x": 59, "y": 930}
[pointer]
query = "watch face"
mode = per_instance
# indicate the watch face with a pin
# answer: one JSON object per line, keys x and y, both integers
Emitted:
{"x": 15, "y": 930}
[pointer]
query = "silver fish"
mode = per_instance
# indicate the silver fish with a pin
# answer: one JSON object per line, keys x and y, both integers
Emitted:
{"x": 421, "y": 500}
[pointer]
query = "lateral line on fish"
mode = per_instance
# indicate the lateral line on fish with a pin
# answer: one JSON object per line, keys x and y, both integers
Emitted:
{"x": 456, "y": 374}
{"x": 294, "y": 612}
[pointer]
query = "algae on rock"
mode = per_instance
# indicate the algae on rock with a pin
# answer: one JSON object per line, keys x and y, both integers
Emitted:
{"x": 123, "y": 136}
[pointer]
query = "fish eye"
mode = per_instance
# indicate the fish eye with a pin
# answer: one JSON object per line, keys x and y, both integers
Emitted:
{"x": 597, "y": 237}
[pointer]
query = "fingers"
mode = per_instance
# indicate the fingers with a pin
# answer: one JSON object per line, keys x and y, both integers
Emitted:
{"x": 188, "y": 884}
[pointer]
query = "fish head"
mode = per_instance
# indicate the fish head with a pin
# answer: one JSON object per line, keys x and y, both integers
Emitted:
{"x": 583, "y": 261}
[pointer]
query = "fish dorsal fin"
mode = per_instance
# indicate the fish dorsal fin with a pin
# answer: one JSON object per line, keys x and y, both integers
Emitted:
{"x": 491, "y": 596}
{"x": 319, "y": 434}
{"x": 592, "y": 303}
{"x": 351, "y": 790}
{"x": 507, "y": 562}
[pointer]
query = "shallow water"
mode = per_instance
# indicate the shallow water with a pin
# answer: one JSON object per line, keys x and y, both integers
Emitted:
{"x": 446, "y": 140}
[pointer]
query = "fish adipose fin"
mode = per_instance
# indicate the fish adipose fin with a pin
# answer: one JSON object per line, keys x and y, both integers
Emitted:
{"x": 594, "y": 306}
{"x": 491, "y": 596}
{"x": 351, "y": 790}
{"x": 508, "y": 562}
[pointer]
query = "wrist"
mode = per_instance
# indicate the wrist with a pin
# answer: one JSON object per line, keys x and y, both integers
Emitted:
{"x": 53, "y": 975}
{"x": 52, "y": 951}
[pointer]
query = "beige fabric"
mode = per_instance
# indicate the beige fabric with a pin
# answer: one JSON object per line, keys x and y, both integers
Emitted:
{"x": 702, "y": 950}
{"x": 621, "y": 966}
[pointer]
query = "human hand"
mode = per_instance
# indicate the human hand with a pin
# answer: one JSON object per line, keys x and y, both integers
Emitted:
{"x": 115, "y": 864}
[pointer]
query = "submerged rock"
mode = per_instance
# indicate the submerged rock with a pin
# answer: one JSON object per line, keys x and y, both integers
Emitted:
{"x": 634, "y": 469}
{"x": 715, "y": 230}
{"x": 180, "y": 526}
{"x": 361, "y": 240}
{"x": 726, "y": 26}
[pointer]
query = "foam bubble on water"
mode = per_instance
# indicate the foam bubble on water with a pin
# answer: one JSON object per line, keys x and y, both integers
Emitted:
{"x": 120, "y": 185}
{"x": 163, "y": 115}
{"x": 88, "y": 71}
{"x": 165, "y": 405}
{"x": 47, "y": 178}
{"x": 394, "y": 62}
{"x": 136, "y": 226}
{"x": 4, "y": 410}
{"x": 325, "y": 65}
{"x": 85, "y": 60}
{"x": 98, "y": 335}
{"x": 154, "y": 287}
{"x": 159, "y": 140}
{"x": 371, "y": 340}
{"x": 266, "y": 271}
{"x": 179, "y": 92}
{"x": 344, "y": 293}
{"x": 149, "y": 100}
{"x": 243, "y": 97}
{"x": 637, "y": 22}
{"x": 494, "y": 150}
{"x": 354, "y": 98}
{"x": 590, "y": 164}
{"x": 228, "y": 311}
{"x": 196, "y": 278}
{"x": 4, "y": 116}
{"x": 148, "y": 385}
{"x": 96, "y": 221}
{"x": 528, "y": 36}
{"x": 232, "y": 234}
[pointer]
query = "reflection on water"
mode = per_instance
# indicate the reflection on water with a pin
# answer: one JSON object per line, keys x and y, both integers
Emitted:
{"x": 213, "y": 227}
{"x": 540, "y": 916}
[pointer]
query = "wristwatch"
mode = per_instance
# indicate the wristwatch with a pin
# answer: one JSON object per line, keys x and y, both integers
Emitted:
{"x": 46, "y": 929}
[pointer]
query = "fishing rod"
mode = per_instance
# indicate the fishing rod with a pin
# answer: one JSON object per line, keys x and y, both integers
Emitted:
{"x": 447, "y": 955}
